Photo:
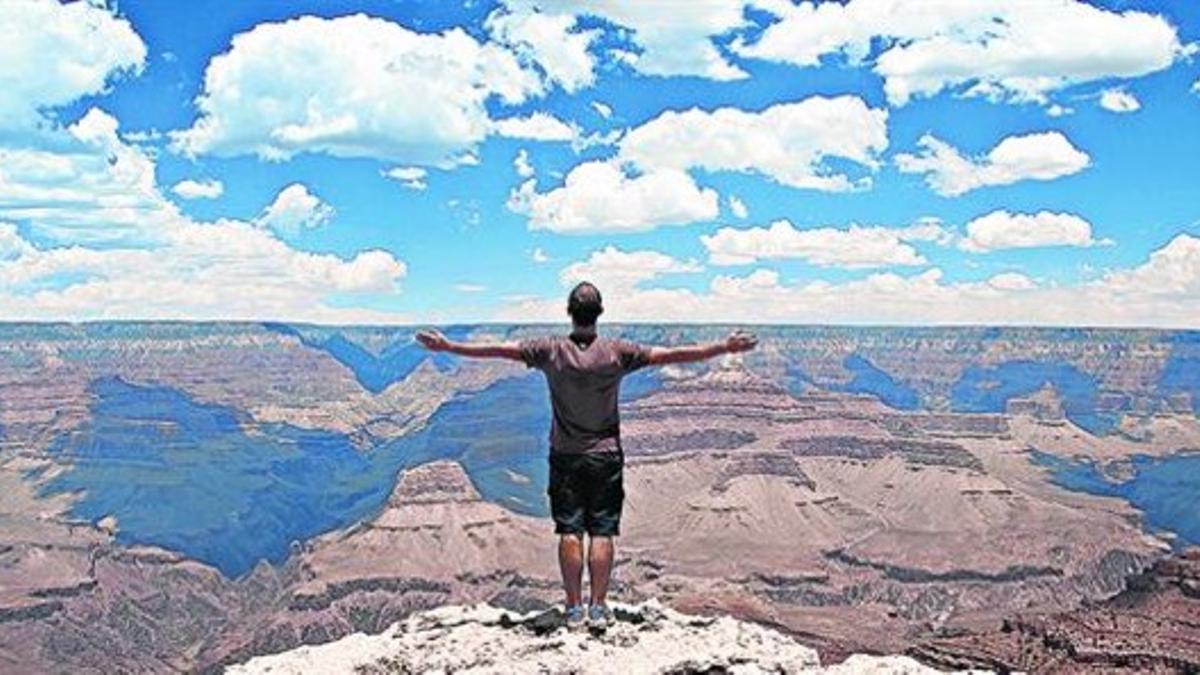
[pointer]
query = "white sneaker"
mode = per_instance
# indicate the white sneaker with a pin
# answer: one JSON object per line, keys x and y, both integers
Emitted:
{"x": 599, "y": 616}
{"x": 576, "y": 617}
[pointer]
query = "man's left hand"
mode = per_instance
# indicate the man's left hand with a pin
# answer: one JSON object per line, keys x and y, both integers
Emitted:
{"x": 433, "y": 340}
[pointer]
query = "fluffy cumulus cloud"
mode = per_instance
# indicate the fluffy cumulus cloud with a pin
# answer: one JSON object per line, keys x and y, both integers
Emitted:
{"x": 53, "y": 53}
{"x": 1038, "y": 156}
{"x": 521, "y": 164}
{"x": 1011, "y": 281}
{"x": 198, "y": 189}
{"x": 649, "y": 183}
{"x": 223, "y": 270}
{"x": 1163, "y": 291}
{"x": 411, "y": 177}
{"x": 1173, "y": 270}
{"x": 553, "y": 42}
{"x": 600, "y": 196}
{"x": 787, "y": 142}
{"x": 1002, "y": 230}
{"x": 86, "y": 185}
{"x": 538, "y": 126}
{"x": 853, "y": 248}
{"x": 347, "y": 86}
{"x": 109, "y": 244}
{"x": 295, "y": 209}
{"x": 611, "y": 268}
{"x": 679, "y": 41}
{"x": 1000, "y": 49}
{"x": 1119, "y": 101}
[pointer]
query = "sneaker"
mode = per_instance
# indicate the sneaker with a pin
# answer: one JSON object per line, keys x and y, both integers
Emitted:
{"x": 599, "y": 616}
{"x": 575, "y": 617}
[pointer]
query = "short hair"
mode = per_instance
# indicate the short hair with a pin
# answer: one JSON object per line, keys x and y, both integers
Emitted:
{"x": 584, "y": 304}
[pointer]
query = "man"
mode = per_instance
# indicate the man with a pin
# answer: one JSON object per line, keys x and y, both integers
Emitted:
{"x": 584, "y": 371}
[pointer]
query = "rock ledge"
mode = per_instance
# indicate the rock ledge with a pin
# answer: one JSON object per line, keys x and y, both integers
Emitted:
{"x": 645, "y": 638}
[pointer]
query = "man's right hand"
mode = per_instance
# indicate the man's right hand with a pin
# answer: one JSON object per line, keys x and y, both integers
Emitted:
{"x": 740, "y": 341}
{"x": 433, "y": 340}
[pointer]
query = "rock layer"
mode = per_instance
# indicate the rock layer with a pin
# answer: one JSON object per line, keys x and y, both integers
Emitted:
{"x": 1151, "y": 626}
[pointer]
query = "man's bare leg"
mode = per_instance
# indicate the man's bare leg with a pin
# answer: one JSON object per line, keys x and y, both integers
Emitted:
{"x": 600, "y": 563}
{"x": 570, "y": 563}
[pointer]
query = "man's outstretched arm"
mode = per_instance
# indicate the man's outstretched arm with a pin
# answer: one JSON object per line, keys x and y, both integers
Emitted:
{"x": 738, "y": 341}
{"x": 434, "y": 341}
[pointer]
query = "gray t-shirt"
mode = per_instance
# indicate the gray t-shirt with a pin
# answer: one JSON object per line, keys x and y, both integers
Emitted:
{"x": 584, "y": 385}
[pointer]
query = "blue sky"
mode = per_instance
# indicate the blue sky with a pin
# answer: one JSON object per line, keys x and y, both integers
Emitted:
{"x": 734, "y": 160}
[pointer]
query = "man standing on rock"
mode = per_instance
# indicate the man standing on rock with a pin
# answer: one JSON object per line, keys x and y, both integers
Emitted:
{"x": 584, "y": 371}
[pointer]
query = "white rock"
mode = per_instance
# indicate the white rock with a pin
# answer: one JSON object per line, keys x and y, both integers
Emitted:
{"x": 472, "y": 639}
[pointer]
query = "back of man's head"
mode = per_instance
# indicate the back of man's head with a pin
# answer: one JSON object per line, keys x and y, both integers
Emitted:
{"x": 584, "y": 304}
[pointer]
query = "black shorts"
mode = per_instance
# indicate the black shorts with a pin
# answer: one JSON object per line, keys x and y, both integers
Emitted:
{"x": 586, "y": 492}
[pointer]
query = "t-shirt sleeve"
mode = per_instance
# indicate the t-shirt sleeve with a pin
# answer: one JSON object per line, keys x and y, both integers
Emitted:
{"x": 632, "y": 355}
{"x": 534, "y": 351}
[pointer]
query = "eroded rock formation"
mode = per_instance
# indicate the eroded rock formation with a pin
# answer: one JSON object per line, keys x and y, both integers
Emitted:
{"x": 1151, "y": 626}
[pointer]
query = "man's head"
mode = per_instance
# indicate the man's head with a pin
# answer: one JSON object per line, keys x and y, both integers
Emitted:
{"x": 584, "y": 304}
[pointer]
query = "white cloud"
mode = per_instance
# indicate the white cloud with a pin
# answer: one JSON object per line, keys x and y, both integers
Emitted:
{"x": 1163, "y": 292}
{"x": 89, "y": 188}
{"x": 539, "y": 256}
{"x": 552, "y": 41}
{"x": 1037, "y": 156}
{"x": 223, "y": 270}
{"x": 1196, "y": 87}
{"x": 1173, "y": 270}
{"x": 602, "y": 109}
{"x": 668, "y": 41}
{"x": 1119, "y": 101}
{"x": 411, "y": 177}
{"x": 53, "y": 53}
{"x": 613, "y": 269}
{"x": 538, "y": 126}
{"x": 929, "y": 229}
{"x": 204, "y": 189}
{"x": 347, "y": 87}
{"x": 787, "y": 142}
{"x": 521, "y": 164}
{"x": 470, "y": 288}
{"x": 599, "y": 196}
{"x": 295, "y": 209}
{"x": 1011, "y": 281}
{"x": 853, "y": 248}
{"x": 12, "y": 245}
{"x": 1002, "y": 229}
{"x": 142, "y": 136}
{"x": 1057, "y": 110}
{"x": 1000, "y": 49}
{"x": 738, "y": 208}
{"x": 160, "y": 264}
{"x": 596, "y": 138}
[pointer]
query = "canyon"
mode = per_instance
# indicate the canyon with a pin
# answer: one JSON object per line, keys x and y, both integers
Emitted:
{"x": 193, "y": 496}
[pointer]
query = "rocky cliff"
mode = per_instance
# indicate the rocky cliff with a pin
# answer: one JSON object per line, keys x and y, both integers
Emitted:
{"x": 1151, "y": 626}
{"x": 645, "y": 638}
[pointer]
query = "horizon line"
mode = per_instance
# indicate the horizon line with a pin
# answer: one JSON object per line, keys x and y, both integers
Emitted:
{"x": 461, "y": 324}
